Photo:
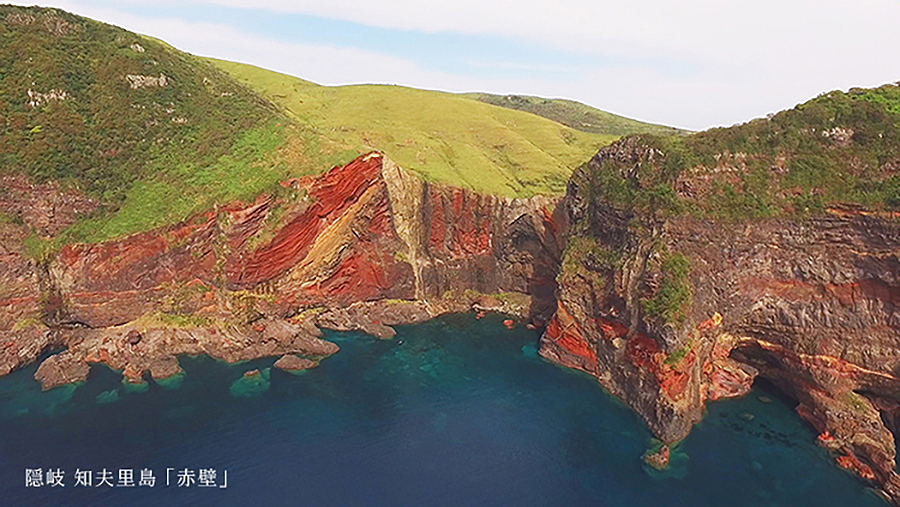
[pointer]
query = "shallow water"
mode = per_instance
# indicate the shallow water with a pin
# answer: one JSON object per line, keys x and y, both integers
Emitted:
{"x": 451, "y": 412}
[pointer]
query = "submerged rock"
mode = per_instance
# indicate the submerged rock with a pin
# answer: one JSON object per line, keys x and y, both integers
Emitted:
{"x": 108, "y": 397}
{"x": 252, "y": 383}
{"x": 173, "y": 382}
{"x": 135, "y": 387}
{"x": 659, "y": 459}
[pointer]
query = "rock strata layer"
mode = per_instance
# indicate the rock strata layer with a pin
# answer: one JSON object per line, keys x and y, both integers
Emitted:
{"x": 365, "y": 246}
{"x": 669, "y": 312}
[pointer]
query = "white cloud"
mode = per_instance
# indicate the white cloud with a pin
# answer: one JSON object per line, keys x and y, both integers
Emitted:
{"x": 743, "y": 59}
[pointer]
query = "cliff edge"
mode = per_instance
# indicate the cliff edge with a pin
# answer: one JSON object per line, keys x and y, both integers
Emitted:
{"x": 670, "y": 309}
{"x": 364, "y": 246}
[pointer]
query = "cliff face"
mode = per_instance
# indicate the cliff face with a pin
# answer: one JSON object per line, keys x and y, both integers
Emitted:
{"x": 667, "y": 311}
{"x": 671, "y": 311}
{"x": 364, "y": 246}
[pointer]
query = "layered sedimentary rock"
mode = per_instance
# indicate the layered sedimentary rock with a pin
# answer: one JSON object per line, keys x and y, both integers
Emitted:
{"x": 363, "y": 246}
{"x": 669, "y": 312}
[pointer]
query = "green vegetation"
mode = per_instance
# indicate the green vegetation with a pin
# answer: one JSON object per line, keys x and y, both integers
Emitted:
{"x": 245, "y": 304}
{"x": 839, "y": 148}
{"x": 156, "y": 135}
{"x": 586, "y": 258}
{"x": 153, "y": 133}
{"x": 176, "y": 320}
{"x": 70, "y": 111}
{"x": 444, "y": 137}
{"x": 181, "y": 189}
{"x": 575, "y": 115}
{"x": 38, "y": 248}
{"x": 27, "y": 323}
{"x": 854, "y": 401}
{"x": 6, "y": 218}
{"x": 675, "y": 292}
{"x": 677, "y": 355}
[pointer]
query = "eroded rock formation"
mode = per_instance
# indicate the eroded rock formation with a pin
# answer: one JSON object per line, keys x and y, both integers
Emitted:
{"x": 666, "y": 312}
{"x": 669, "y": 312}
{"x": 364, "y": 246}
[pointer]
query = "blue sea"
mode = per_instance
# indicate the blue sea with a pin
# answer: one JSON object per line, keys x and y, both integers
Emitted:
{"x": 455, "y": 411}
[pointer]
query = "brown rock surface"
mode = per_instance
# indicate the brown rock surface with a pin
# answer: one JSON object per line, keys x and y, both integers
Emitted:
{"x": 59, "y": 369}
{"x": 164, "y": 366}
{"x": 808, "y": 303}
{"x": 290, "y": 362}
{"x": 659, "y": 459}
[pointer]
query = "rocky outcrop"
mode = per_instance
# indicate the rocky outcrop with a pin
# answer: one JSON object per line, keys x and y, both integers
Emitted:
{"x": 364, "y": 246}
{"x": 292, "y": 363}
{"x": 669, "y": 311}
{"x": 137, "y": 81}
{"x": 162, "y": 341}
{"x": 59, "y": 369}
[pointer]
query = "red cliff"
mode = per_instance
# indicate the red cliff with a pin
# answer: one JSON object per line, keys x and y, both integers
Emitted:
{"x": 363, "y": 246}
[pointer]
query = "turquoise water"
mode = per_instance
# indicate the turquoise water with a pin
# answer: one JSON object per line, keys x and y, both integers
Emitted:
{"x": 455, "y": 411}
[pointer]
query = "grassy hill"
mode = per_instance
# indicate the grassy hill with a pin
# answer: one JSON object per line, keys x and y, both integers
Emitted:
{"x": 156, "y": 134}
{"x": 575, "y": 115}
{"x": 151, "y": 132}
{"x": 838, "y": 149}
{"x": 443, "y": 136}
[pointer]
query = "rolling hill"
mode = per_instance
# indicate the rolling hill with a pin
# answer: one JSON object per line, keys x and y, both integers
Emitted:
{"x": 838, "y": 150}
{"x": 155, "y": 134}
{"x": 575, "y": 115}
{"x": 442, "y": 136}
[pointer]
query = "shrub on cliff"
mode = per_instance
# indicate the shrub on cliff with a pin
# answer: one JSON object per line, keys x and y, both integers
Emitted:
{"x": 102, "y": 107}
{"x": 673, "y": 298}
{"x": 836, "y": 148}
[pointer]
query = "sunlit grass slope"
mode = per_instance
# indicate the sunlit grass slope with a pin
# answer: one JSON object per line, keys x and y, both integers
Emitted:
{"x": 576, "y": 115}
{"x": 444, "y": 137}
{"x": 155, "y": 135}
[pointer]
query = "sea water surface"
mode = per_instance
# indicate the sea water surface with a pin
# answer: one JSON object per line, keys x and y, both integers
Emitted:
{"x": 456, "y": 411}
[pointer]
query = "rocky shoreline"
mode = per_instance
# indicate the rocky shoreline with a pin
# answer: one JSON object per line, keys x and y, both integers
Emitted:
{"x": 363, "y": 247}
{"x": 671, "y": 312}
{"x": 807, "y": 304}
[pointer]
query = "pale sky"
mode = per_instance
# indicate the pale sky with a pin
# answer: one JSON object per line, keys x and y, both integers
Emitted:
{"x": 688, "y": 63}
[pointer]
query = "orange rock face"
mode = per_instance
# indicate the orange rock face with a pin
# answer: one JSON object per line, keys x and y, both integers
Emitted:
{"x": 850, "y": 462}
{"x": 331, "y": 195}
{"x": 360, "y": 233}
{"x": 563, "y": 331}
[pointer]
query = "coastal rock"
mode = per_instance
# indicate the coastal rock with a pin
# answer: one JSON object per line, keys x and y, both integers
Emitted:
{"x": 365, "y": 232}
{"x": 60, "y": 369}
{"x": 669, "y": 312}
{"x": 659, "y": 459}
{"x": 160, "y": 343}
{"x": 252, "y": 383}
{"x": 290, "y": 362}
{"x": 163, "y": 367}
{"x": 24, "y": 345}
{"x": 133, "y": 337}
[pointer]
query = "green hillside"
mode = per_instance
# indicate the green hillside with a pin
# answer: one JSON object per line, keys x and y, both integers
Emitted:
{"x": 151, "y": 132}
{"x": 155, "y": 134}
{"x": 839, "y": 149}
{"x": 444, "y": 137}
{"x": 575, "y": 115}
